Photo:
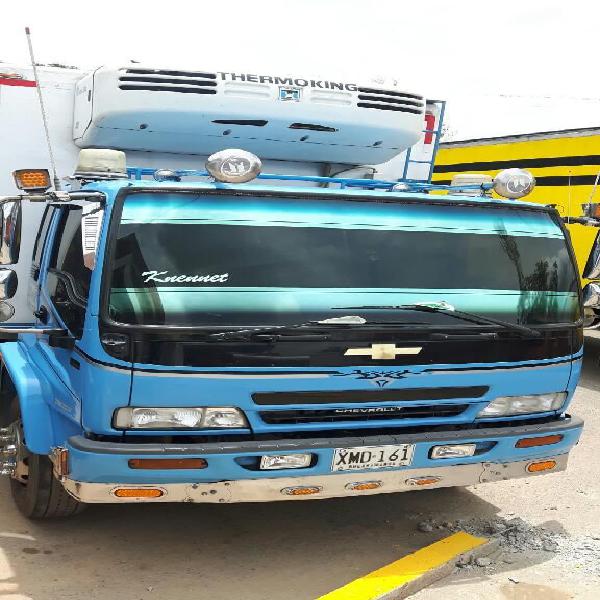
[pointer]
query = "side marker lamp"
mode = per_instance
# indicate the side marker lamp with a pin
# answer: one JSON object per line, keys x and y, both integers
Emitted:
{"x": 544, "y": 465}
{"x": 545, "y": 440}
{"x": 362, "y": 486}
{"x": 301, "y": 490}
{"x": 167, "y": 463}
{"x": 138, "y": 492}
{"x": 422, "y": 481}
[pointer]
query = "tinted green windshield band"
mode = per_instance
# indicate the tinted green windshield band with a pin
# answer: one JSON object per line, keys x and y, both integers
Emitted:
{"x": 158, "y": 254}
{"x": 191, "y": 209}
{"x": 177, "y": 304}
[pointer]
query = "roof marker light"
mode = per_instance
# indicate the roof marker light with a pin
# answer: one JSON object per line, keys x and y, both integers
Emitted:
{"x": 233, "y": 165}
{"x": 101, "y": 163}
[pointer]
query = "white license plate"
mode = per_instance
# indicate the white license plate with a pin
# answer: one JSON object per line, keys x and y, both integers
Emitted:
{"x": 372, "y": 457}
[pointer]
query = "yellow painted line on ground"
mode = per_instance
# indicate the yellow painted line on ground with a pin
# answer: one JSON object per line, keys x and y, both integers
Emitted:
{"x": 408, "y": 570}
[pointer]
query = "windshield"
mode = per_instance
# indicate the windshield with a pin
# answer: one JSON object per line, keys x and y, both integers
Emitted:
{"x": 200, "y": 260}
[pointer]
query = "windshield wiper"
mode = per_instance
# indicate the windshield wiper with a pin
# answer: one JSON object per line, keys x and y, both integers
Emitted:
{"x": 281, "y": 330}
{"x": 446, "y": 309}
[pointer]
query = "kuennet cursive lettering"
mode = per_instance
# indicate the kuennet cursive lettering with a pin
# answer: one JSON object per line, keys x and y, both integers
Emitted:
{"x": 164, "y": 277}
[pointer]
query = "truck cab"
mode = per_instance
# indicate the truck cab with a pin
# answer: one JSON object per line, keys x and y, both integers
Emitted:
{"x": 213, "y": 341}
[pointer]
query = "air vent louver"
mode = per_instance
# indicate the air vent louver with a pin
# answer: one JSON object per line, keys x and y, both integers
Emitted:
{"x": 390, "y": 100}
{"x": 184, "y": 82}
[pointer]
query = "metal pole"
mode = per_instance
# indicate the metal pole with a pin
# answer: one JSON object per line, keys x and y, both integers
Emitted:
{"x": 44, "y": 118}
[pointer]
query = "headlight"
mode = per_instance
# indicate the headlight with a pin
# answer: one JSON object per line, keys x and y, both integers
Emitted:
{"x": 179, "y": 418}
{"x": 522, "y": 405}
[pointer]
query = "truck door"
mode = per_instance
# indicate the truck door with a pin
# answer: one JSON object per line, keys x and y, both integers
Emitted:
{"x": 64, "y": 286}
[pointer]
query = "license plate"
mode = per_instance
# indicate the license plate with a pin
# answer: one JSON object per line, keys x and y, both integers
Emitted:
{"x": 372, "y": 457}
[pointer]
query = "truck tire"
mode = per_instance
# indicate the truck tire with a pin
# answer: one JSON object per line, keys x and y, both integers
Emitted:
{"x": 39, "y": 494}
{"x": 43, "y": 496}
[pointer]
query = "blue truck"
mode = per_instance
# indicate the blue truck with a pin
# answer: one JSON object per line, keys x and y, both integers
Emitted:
{"x": 226, "y": 342}
{"x": 229, "y": 335}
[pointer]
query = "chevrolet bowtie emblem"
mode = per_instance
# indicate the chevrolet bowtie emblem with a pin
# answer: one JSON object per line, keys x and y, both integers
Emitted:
{"x": 382, "y": 351}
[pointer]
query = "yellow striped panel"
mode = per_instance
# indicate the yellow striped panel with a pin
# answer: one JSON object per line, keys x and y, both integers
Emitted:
{"x": 568, "y": 199}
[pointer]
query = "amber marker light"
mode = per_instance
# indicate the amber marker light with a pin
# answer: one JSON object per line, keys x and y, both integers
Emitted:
{"x": 301, "y": 491}
{"x": 361, "y": 486}
{"x": 422, "y": 480}
{"x": 167, "y": 463}
{"x": 544, "y": 465}
{"x": 545, "y": 440}
{"x": 138, "y": 493}
{"x": 32, "y": 180}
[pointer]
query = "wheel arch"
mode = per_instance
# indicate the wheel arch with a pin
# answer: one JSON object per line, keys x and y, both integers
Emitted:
{"x": 32, "y": 388}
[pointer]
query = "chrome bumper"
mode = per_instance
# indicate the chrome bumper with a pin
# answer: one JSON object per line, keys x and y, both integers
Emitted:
{"x": 325, "y": 486}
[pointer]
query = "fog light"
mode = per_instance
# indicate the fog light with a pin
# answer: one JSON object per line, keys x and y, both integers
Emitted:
{"x": 522, "y": 405}
{"x": 453, "y": 451}
{"x": 543, "y": 465}
{"x": 285, "y": 461}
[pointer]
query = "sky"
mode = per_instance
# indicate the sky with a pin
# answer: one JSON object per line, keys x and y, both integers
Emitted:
{"x": 505, "y": 66}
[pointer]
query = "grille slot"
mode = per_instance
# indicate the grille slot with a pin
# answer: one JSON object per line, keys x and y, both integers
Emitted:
{"x": 363, "y": 90}
{"x": 313, "y": 127}
{"x": 298, "y": 417}
{"x": 414, "y": 111}
{"x": 185, "y": 82}
{"x": 171, "y": 73}
{"x": 365, "y": 396}
{"x": 390, "y": 100}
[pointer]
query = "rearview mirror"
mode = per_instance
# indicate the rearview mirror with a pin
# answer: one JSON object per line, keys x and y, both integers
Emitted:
{"x": 592, "y": 266}
{"x": 8, "y": 283}
{"x": 10, "y": 232}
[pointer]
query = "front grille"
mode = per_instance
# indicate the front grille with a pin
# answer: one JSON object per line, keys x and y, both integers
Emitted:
{"x": 365, "y": 396}
{"x": 336, "y": 415}
{"x": 390, "y": 100}
{"x": 155, "y": 80}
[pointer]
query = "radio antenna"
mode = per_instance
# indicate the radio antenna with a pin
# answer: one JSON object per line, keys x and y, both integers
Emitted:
{"x": 44, "y": 117}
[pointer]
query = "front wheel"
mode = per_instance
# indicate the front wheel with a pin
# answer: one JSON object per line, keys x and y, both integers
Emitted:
{"x": 36, "y": 491}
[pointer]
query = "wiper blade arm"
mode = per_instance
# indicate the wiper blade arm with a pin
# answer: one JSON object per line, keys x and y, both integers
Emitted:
{"x": 459, "y": 314}
{"x": 280, "y": 330}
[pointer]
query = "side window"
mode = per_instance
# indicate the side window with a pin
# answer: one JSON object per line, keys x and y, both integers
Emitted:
{"x": 68, "y": 277}
{"x": 40, "y": 240}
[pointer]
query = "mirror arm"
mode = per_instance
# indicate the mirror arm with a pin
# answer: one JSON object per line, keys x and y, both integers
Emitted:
{"x": 34, "y": 330}
{"x": 59, "y": 197}
{"x": 589, "y": 221}
{"x": 11, "y": 334}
